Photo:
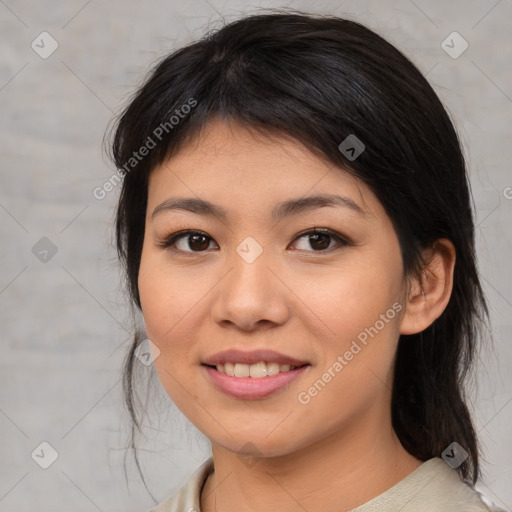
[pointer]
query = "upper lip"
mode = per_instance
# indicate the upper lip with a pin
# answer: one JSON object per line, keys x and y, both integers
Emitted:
{"x": 251, "y": 357}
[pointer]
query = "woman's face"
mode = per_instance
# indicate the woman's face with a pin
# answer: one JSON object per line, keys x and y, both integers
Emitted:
{"x": 259, "y": 278}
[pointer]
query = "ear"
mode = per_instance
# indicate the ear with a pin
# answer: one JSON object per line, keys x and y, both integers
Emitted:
{"x": 429, "y": 294}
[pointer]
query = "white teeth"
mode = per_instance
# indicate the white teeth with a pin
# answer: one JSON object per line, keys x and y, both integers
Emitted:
{"x": 256, "y": 371}
{"x": 242, "y": 370}
{"x": 272, "y": 368}
{"x": 229, "y": 369}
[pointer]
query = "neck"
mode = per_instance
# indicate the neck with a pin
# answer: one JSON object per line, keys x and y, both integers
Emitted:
{"x": 345, "y": 469}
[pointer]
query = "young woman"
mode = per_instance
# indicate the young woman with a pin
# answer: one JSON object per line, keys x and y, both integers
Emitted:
{"x": 296, "y": 228}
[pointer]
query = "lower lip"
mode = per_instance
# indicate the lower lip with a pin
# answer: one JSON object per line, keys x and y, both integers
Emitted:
{"x": 249, "y": 387}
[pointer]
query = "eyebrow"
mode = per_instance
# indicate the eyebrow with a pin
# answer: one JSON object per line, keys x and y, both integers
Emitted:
{"x": 280, "y": 211}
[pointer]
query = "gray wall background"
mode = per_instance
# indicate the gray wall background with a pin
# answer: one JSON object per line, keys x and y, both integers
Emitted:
{"x": 65, "y": 324}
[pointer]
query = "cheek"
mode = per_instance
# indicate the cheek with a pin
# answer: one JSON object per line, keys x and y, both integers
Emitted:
{"x": 165, "y": 301}
{"x": 168, "y": 302}
{"x": 166, "y": 296}
{"x": 352, "y": 296}
{"x": 355, "y": 369}
{"x": 173, "y": 304}
{"x": 360, "y": 305}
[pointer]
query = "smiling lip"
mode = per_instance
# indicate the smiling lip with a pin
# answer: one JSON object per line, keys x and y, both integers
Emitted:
{"x": 250, "y": 388}
{"x": 251, "y": 357}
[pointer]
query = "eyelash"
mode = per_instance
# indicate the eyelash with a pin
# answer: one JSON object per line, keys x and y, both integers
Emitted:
{"x": 170, "y": 240}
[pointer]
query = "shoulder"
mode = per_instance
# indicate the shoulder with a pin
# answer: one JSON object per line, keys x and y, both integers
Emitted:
{"x": 432, "y": 487}
{"x": 187, "y": 499}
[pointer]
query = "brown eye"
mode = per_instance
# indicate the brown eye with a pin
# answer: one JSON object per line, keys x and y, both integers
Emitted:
{"x": 198, "y": 242}
{"x": 190, "y": 241}
{"x": 187, "y": 241}
{"x": 320, "y": 240}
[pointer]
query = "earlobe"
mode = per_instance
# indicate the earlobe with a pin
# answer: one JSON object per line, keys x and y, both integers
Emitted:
{"x": 430, "y": 293}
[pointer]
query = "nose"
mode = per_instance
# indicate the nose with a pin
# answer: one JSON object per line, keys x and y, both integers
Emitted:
{"x": 251, "y": 296}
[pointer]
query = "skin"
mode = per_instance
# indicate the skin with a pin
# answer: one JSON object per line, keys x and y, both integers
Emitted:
{"x": 339, "y": 450}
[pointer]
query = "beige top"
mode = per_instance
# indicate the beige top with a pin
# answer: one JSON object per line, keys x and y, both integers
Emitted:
{"x": 431, "y": 487}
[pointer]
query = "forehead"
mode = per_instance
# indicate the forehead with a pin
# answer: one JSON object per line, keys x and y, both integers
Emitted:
{"x": 231, "y": 164}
